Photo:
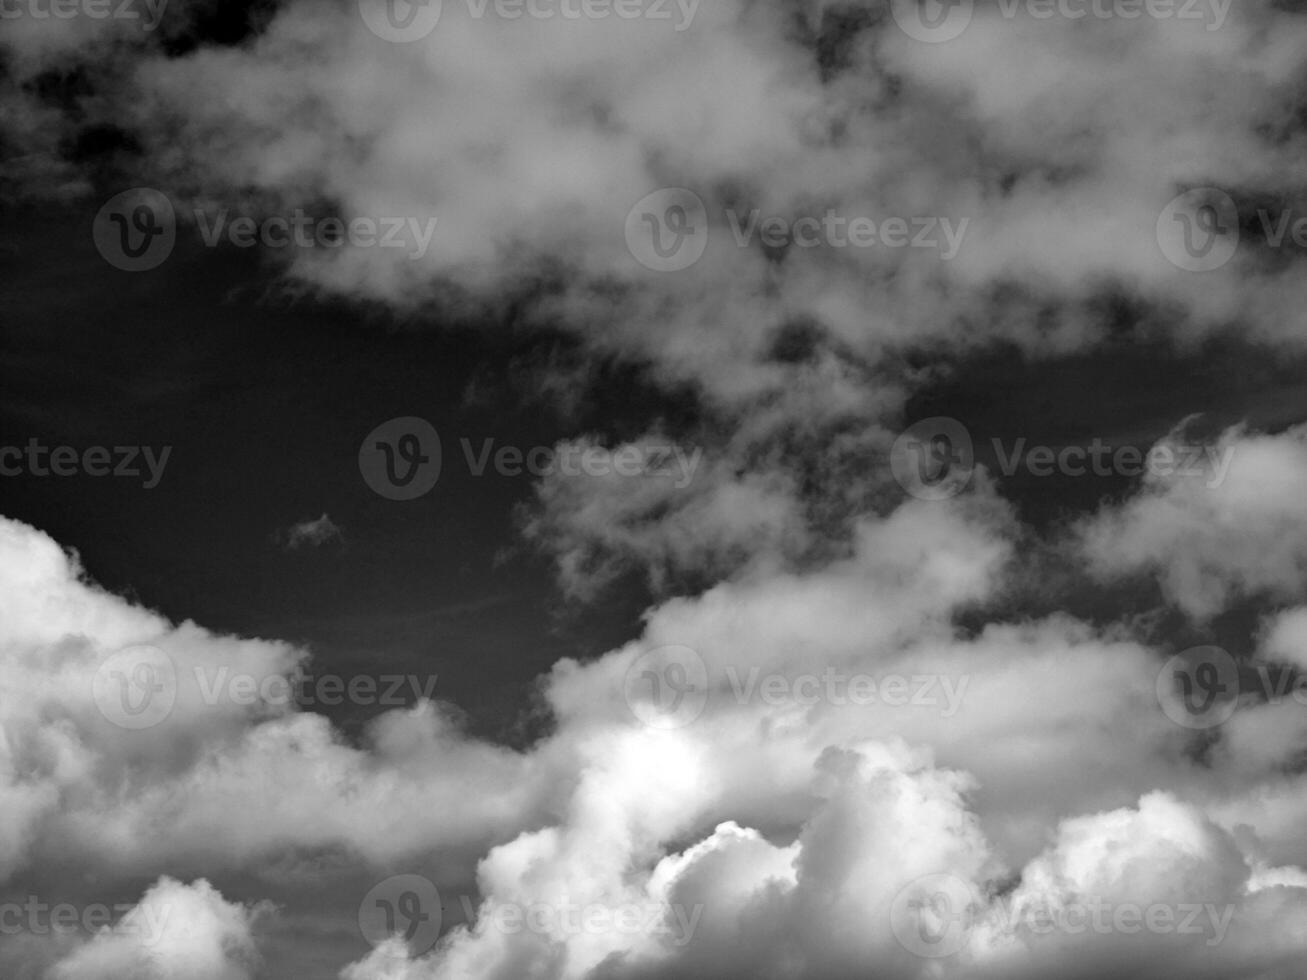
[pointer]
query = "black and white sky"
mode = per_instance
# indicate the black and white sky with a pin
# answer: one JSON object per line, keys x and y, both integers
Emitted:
{"x": 653, "y": 489}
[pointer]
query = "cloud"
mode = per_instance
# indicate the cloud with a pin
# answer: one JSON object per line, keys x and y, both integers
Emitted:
{"x": 1022, "y": 757}
{"x": 186, "y": 932}
{"x": 310, "y": 533}
{"x": 1229, "y": 525}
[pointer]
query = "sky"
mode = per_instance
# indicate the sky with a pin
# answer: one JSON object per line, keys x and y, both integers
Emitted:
{"x": 644, "y": 489}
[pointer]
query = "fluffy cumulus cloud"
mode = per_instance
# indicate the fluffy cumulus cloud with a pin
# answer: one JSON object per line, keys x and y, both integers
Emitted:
{"x": 844, "y": 756}
{"x": 1220, "y": 524}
